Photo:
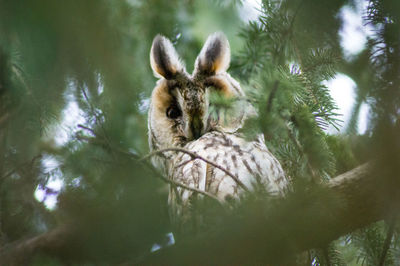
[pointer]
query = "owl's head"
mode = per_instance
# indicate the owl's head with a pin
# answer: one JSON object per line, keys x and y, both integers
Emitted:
{"x": 179, "y": 109}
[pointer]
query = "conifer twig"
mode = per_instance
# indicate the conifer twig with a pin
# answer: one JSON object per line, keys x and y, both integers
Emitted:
{"x": 88, "y": 129}
{"x": 97, "y": 121}
{"x": 272, "y": 95}
{"x": 314, "y": 175}
{"x": 388, "y": 240}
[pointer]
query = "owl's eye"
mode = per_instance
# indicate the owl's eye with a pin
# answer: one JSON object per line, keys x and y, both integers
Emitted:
{"x": 173, "y": 112}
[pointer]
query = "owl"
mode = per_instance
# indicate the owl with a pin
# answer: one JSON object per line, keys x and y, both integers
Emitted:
{"x": 182, "y": 114}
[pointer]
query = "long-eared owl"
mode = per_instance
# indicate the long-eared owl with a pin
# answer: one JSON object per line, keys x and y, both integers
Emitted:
{"x": 182, "y": 115}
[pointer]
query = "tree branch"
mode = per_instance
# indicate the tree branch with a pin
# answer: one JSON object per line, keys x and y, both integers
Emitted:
{"x": 195, "y": 156}
{"x": 350, "y": 201}
{"x": 135, "y": 157}
{"x": 193, "y": 189}
{"x": 20, "y": 252}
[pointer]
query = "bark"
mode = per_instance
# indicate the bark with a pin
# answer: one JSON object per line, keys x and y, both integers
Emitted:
{"x": 20, "y": 252}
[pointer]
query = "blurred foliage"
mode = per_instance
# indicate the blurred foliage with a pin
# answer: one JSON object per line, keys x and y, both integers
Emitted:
{"x": 94, "y": 56}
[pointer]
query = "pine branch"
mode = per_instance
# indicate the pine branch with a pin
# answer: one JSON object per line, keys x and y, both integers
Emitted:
{"x": 388, "y": 240}
{"x": 315, "y": 177}
{"x": 361, "y": 198}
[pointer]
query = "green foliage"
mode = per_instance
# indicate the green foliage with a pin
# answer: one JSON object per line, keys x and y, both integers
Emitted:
{"x": 94, "y": 55}
{"x": 285, "y": 81}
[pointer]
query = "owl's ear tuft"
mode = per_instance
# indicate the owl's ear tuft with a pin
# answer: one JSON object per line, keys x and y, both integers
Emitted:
{"x": 215, "y": 55}
{"x": 164, "y": 59}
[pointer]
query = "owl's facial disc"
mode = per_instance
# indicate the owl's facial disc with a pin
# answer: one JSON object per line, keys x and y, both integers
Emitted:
{"x": 179, "y": 110}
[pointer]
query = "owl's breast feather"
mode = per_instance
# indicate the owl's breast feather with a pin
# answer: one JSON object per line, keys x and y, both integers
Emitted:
{"x": 250, "y": 161}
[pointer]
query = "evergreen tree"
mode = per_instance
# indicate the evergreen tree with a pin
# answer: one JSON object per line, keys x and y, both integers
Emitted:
{"x": 89, "y": 60}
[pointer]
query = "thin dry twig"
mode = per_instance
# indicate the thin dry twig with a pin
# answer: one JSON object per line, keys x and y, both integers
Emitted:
{"x": 195, "y": 156}
{"x": 22, "y": 165}
{"x": 184, "y": 162}
{"x": 88, "y": 129}
{"x": 170, "y": 181}
{"x": 135, "y": 157}
{"x": 196, "y": 190}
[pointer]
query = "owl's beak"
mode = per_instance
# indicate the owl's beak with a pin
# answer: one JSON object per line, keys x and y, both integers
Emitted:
{"x": 196, "y": 126}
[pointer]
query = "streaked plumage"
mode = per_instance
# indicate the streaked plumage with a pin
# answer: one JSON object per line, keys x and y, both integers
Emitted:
{"x": 180, "y": 116}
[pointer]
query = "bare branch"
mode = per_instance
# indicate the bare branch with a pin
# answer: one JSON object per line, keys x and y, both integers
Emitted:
{"x": 88, "y": 129}
{"x": 178, "y": 184}
{"x": 135, "y": 157}
{"x": 24, "y": 164}
{"x": 195, "y": 156}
